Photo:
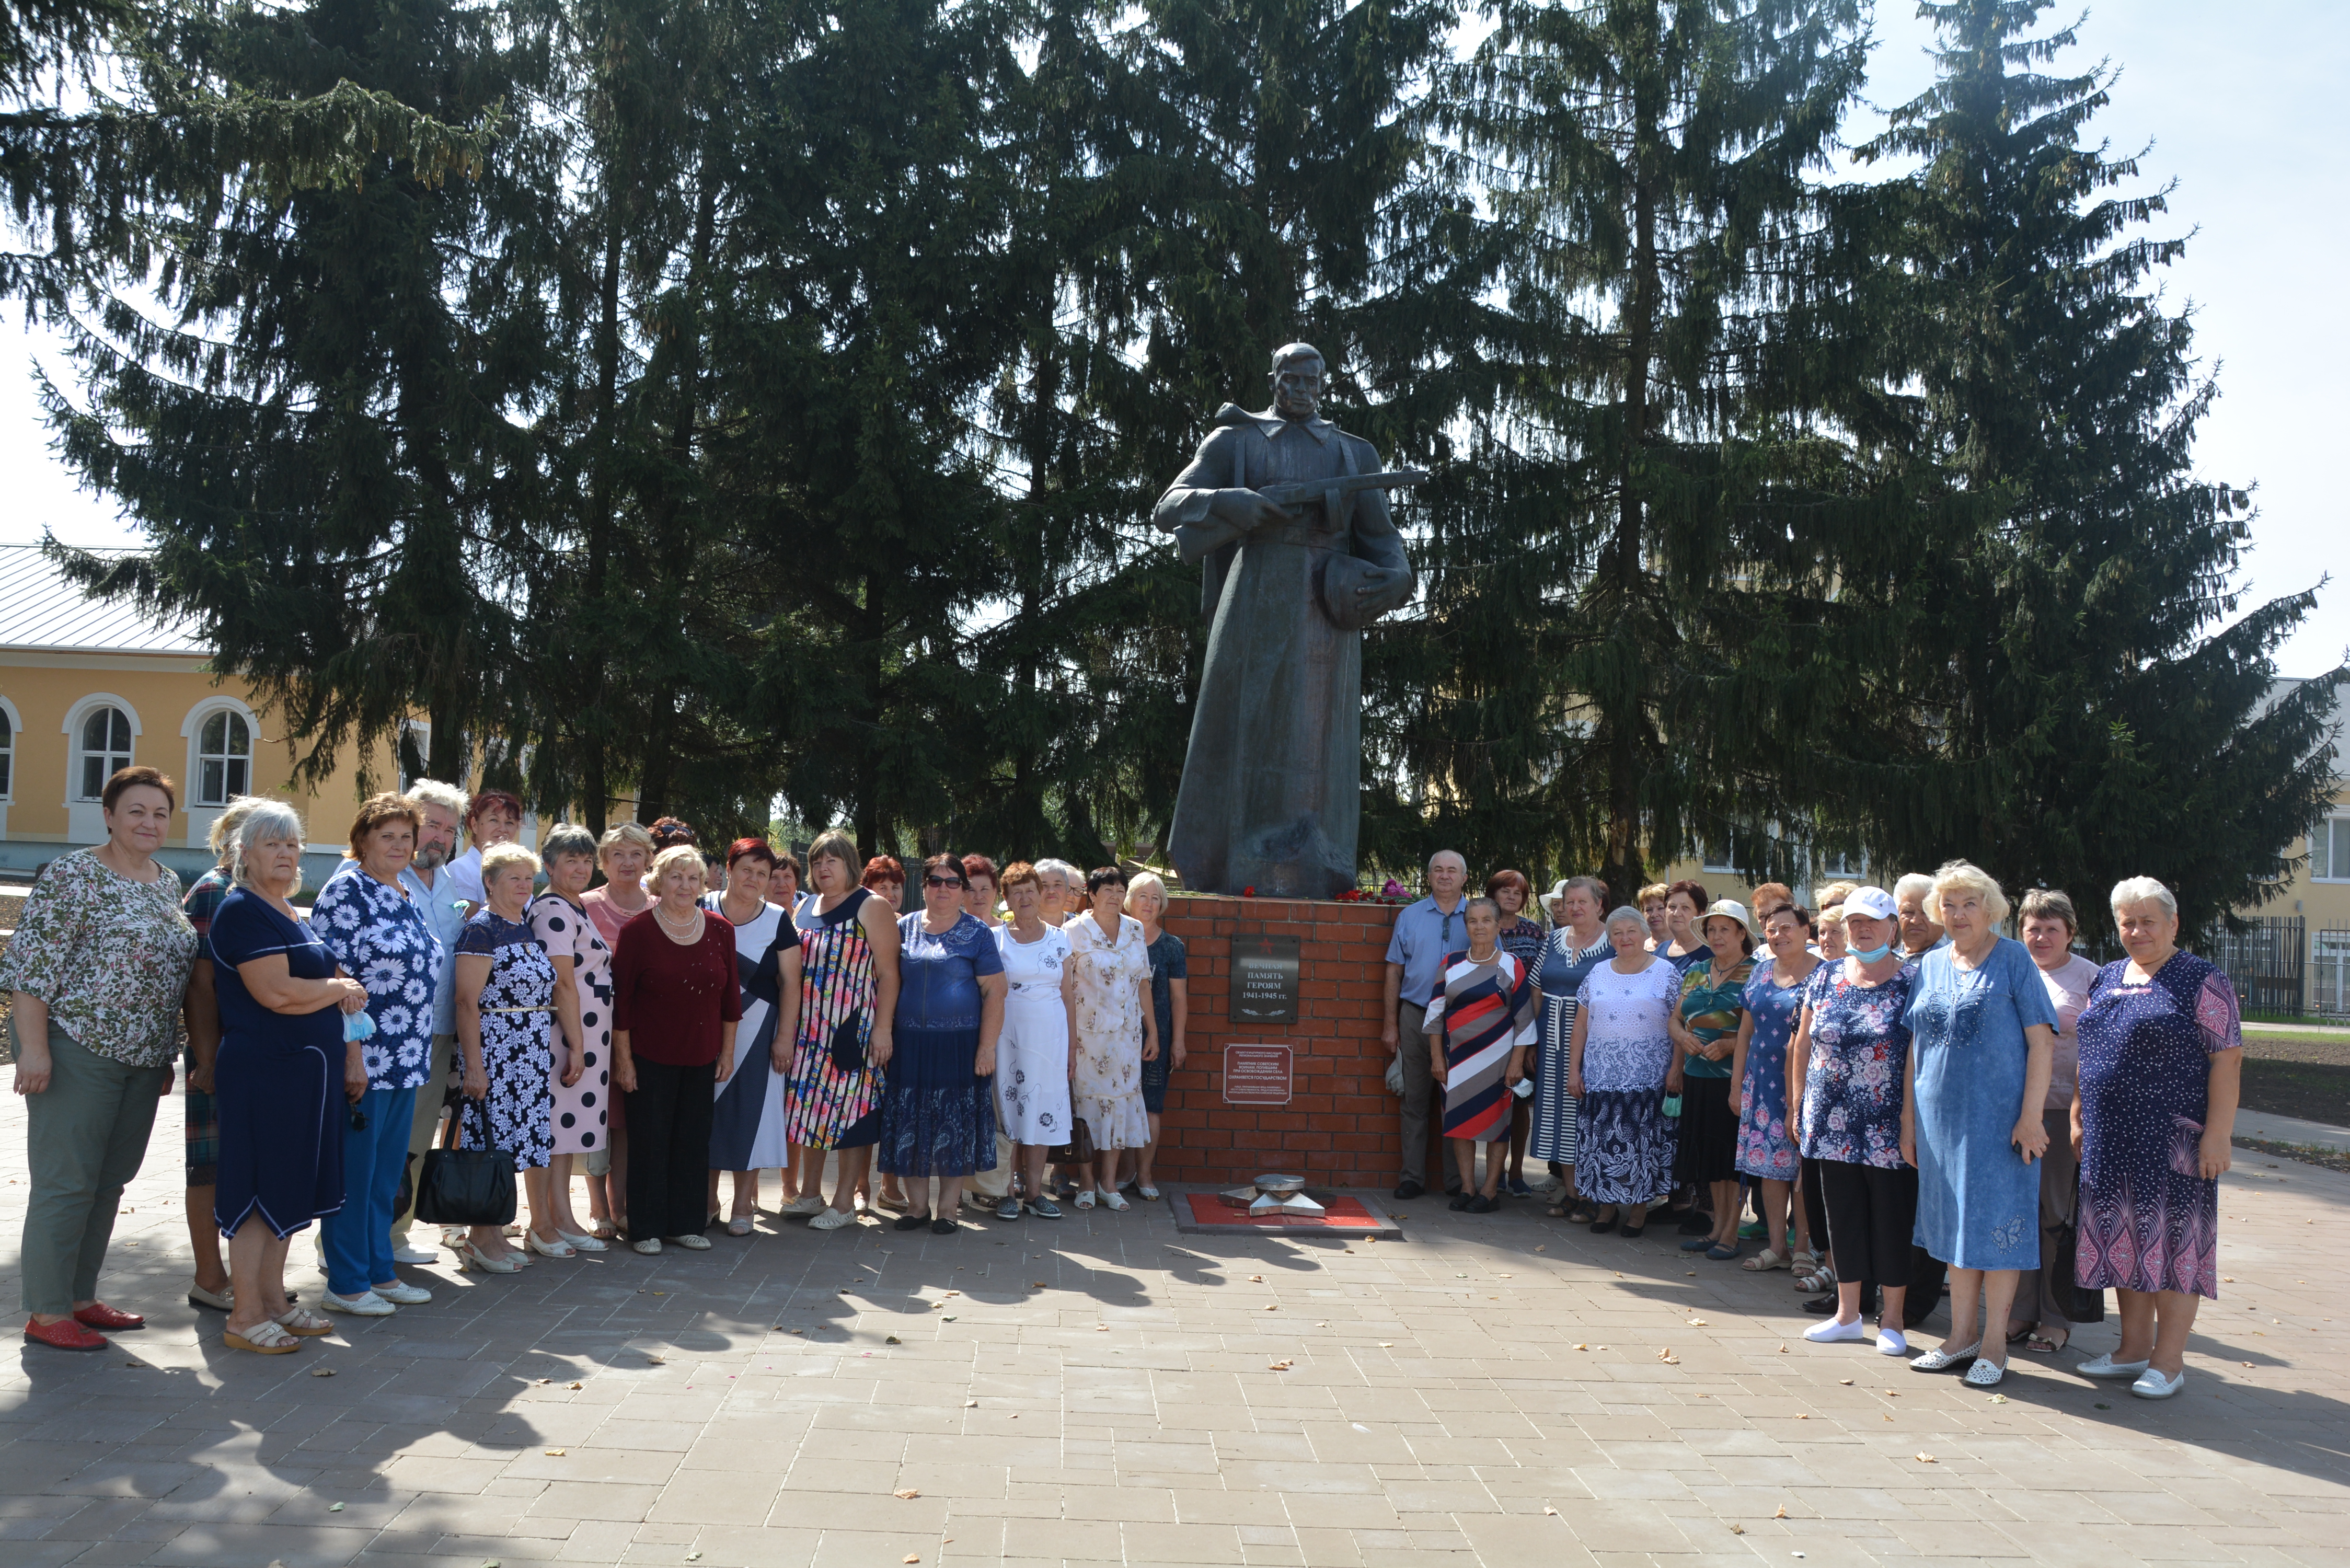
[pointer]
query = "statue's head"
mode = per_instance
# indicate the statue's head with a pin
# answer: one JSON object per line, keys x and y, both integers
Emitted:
{"x": 1297, "y": 380}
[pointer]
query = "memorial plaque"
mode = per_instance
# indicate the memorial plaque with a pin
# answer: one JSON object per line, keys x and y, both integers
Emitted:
{"x": 1264, "y": 980}
{"x": 1256, "y": 1074}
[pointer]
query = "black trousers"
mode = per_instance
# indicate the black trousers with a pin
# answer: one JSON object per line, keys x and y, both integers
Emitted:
{"x": 1872, "y": 1213}
{"x": 669, "y": 1149}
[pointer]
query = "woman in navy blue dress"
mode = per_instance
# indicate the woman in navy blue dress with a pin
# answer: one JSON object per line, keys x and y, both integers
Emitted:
{"x": 938, "y": 1110}
{"x": 286, "y": 1080}
{"x": 2161, "y": 1062}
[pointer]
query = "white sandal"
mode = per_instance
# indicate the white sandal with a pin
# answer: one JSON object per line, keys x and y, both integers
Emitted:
{"x": 1150, "y": 1193}
{"x": 264, "y": 1338}
{"x": 1117, "y": 1202}
{"x": 1764, "y": 1262}
{"x": 558, "y": 1248}
{"x": 1085, "y": 1199}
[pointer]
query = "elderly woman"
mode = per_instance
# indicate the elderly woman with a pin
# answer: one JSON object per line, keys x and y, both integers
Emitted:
{"x": 2161, "y": 1056}
{"x": 100, "y": 968}
{"x": 1480, "y": 1027}
{"x": 937, "y": 1113}
{"x": 2049, "y": 925}
{"x": 1569, "y": 955}
{"x": 200, "y": 1112}
{"x": 581, "y": 1109}
{"x": 1705, "y": 1027}
{"x": 1117, "y": 1030}
{"x": 624, "y": 854}
{"x": 1847, "y": 1078}
{"x": 1032, "y": 1057}
{"x": 1758, "y": 1075}
{"x": 1983, "y": 1036}
{"x": 492, "y": 817}
{"x": 848, "y": 999}
{"x": 1620, "y": 1068}
{"x": 283, "y": 1056}
{"x": 1170, "y": 1008}
{"x": 507, "y": 1008}
{"x": 747, "y": 1130}
{"x": 371, "y": 924}
{"x": 1913, "y": 899}
{"x": 1058, "y": 882}
{"x": 1685, "y": 945}
{"x": 676, "y": 1000}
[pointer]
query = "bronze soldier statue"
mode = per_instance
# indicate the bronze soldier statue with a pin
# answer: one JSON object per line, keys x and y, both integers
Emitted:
{"x": 1289, "y": 515}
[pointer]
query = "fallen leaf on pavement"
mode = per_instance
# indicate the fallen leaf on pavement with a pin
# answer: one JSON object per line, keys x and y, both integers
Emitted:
{"x": 1666, "y": 1355}
{"x": 578, "y": 1386}
{"x": 1782, "y": 1513}
{"x": 971, "y": 1404}
{"x": 1737, "y": 1529}
{"x": 329, "y": 1372}
{"x": 1926, "y": 1459}
{"x": 908, "y": 1491}
{"x": 1279, "y": 1366}
{"x": 1551, "y": 1510}
{"x": 334, "y": 1508}
{"x": 893, "y": 1339}
{"x": 555, "y": 1453}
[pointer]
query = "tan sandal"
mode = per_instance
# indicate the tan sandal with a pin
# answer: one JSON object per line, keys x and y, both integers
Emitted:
{"x": 267, "y": 1339}
{"x": 1765, "y": 1261}
{"x": 302, "y": 1320}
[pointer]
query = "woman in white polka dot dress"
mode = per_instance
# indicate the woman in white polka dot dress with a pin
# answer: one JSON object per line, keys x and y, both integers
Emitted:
{"x": 582, "y": 1110}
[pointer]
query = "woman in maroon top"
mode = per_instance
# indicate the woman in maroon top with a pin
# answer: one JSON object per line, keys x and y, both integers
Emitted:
{"x": 675, "y": 1001}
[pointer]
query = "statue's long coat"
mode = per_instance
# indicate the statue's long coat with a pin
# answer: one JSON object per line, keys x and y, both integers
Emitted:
{"x": 1271, "y": 782}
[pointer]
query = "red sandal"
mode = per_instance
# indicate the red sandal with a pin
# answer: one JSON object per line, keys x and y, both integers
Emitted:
{"x": 98, "y": 1315}
{"x": 63, "y": 1334}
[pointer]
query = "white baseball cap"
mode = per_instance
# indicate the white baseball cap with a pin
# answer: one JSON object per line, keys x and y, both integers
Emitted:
{"x": 1875, "y": 903}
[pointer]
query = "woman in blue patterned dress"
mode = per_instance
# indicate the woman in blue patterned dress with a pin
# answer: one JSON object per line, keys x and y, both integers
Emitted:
{"x": 937, "y": 1113}
{"x": 380, "y": 938}
{"x": 2161, "y": 1059}
{"x": 1848, "y": 1078}
{"x": 1619, "y": 1069}
{"x": 1983, "y": 1038}
{"x": 1766, "y": 1144}
{"x": 507, "y": 1004}
{"x": 1568, "y": 955}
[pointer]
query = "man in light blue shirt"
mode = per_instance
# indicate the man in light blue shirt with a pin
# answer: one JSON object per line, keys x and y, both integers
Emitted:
{"x": 442, "y": 808}
{"x": 1424, "y": 932}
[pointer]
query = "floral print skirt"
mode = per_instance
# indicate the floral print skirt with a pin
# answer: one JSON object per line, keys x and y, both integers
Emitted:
{"x": 1624, "y": 1145}
{"x": 937, "y": 1117}
{"x": 1765, "y": 1151}
{"x": 515, "y": 1056}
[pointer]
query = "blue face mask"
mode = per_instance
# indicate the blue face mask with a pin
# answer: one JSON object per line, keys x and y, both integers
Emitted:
{"x": 1870, "y": 955}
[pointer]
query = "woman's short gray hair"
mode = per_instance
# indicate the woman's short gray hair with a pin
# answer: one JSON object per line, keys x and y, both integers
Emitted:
{"x": 2144, "y": 890}
{"x": 1490, "y": 904}
{"x": 266, "y": 820}
{"x": 1965, "y": 877}
{"x": 567, "y": 838}
{"x": 1624, "y": 915}
{"x": 1061, "y": 868}
{"x": 1918, "y": 886}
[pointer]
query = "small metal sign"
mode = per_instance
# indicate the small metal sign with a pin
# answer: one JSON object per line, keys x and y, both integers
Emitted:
{"x": 1256, "y": 1074}
{"x": 1264, "y": 980}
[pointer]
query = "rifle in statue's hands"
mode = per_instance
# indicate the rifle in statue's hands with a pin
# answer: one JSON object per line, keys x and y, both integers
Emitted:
{"x": 1305, "y": 491}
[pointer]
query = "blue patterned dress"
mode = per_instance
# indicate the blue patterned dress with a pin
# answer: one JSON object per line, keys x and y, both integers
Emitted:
{"x": 1624, "y": 1142}
{"x": 1559, "y": 975}
{"x": 2149, "y": 1220}
{"x": 517, "y": 1031}
{"x": 1766, "y": 1149}
{"x": 1854, "y": 1084}
{"x": 938, "y": 1115}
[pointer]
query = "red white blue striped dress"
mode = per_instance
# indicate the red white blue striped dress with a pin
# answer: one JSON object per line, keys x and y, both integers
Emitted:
{"x": 1484, "y": 1013}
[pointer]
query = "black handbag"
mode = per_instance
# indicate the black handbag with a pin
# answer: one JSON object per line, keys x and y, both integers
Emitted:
{"x": 466, "y": 1186}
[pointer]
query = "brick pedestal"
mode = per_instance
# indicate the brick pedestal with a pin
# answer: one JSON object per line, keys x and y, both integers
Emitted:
{"x": 1339, "y": 1128}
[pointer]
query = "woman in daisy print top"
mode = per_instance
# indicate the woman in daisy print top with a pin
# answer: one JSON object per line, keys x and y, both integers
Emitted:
{"x": 380, "y": 938}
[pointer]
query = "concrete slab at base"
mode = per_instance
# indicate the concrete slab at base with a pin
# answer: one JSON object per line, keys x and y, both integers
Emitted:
{"x": 1204, "y": 1212}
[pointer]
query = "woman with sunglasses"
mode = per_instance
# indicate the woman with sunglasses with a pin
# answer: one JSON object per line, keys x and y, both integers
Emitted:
{"x": 937, "y": 1113}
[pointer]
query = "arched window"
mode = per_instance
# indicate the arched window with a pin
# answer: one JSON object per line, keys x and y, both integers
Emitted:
{"x": 224, "y": 759}
{"x": 7, "y": 756}
{"x": 105, "y": 749}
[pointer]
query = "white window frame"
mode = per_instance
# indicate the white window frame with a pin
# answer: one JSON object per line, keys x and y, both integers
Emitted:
{"x": 15, "y": 734}
{"x": 1852, "y": 868}
{"x": 2335, "y": 825}
{"x": 192, "y": 730}
{"x": 86, "y": 818}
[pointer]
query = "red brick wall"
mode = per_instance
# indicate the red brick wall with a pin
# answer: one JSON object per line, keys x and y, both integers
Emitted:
{"x": 1339, "y": 1127}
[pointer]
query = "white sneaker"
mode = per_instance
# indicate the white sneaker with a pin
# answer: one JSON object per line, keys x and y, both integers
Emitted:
{"x": 831, "y": 1219}
{"x": 1892, "y": 1342}
{"x": 2152, "y": 1385}
{"x": 805, "y": 1203}
{"x": 404, "y": 1293}
{"x": 367, "y": 1304}
{"x": 1831, "y": 1332}
{"x": 405, "y": 1253}
{"x": 2108, "y": 1368}
{"x": 1115, "y": 1202}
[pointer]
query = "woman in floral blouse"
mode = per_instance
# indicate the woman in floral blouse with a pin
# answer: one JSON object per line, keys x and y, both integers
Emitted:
{"x": 1845, "y": 1077}
{"x": 1118, "y": 1029}
{"x": 380, "y": 938}
{"x": 100, "y": 968}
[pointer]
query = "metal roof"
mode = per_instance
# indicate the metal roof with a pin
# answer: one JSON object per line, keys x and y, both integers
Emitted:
{"x": 40, "y": 609}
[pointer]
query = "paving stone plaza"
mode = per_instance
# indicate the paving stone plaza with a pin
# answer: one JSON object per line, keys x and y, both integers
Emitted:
{"x": 1488, "y": 1390}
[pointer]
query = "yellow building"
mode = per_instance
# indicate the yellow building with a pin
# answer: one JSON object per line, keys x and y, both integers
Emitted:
{"x": 88, "y": 688}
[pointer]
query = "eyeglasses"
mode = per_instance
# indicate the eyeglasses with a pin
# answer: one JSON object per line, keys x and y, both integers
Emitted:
{"x": 943, "y": 882}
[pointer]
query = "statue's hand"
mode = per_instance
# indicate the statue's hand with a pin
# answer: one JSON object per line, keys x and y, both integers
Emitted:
{"x": 1386, "y": 590}
{"x": 1248, "y": 511}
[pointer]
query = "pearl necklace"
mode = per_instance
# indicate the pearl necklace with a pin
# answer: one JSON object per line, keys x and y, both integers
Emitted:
{"x": 693, "y": 931}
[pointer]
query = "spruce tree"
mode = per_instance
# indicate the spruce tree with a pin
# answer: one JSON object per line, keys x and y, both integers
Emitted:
{"x": 2102, "y": 710}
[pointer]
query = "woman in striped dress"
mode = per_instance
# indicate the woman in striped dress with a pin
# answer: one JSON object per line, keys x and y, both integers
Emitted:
{"x": 1481, "y": 1025}
{"x": 848, "y": 993}
{"x": 1568, "y": 955}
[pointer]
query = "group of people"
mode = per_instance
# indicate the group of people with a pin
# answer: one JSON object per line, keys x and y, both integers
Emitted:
{"x": 648, "y": 1032}
{"x": 1915, "y": 1099}
{"x": 1902, "y": 1094}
